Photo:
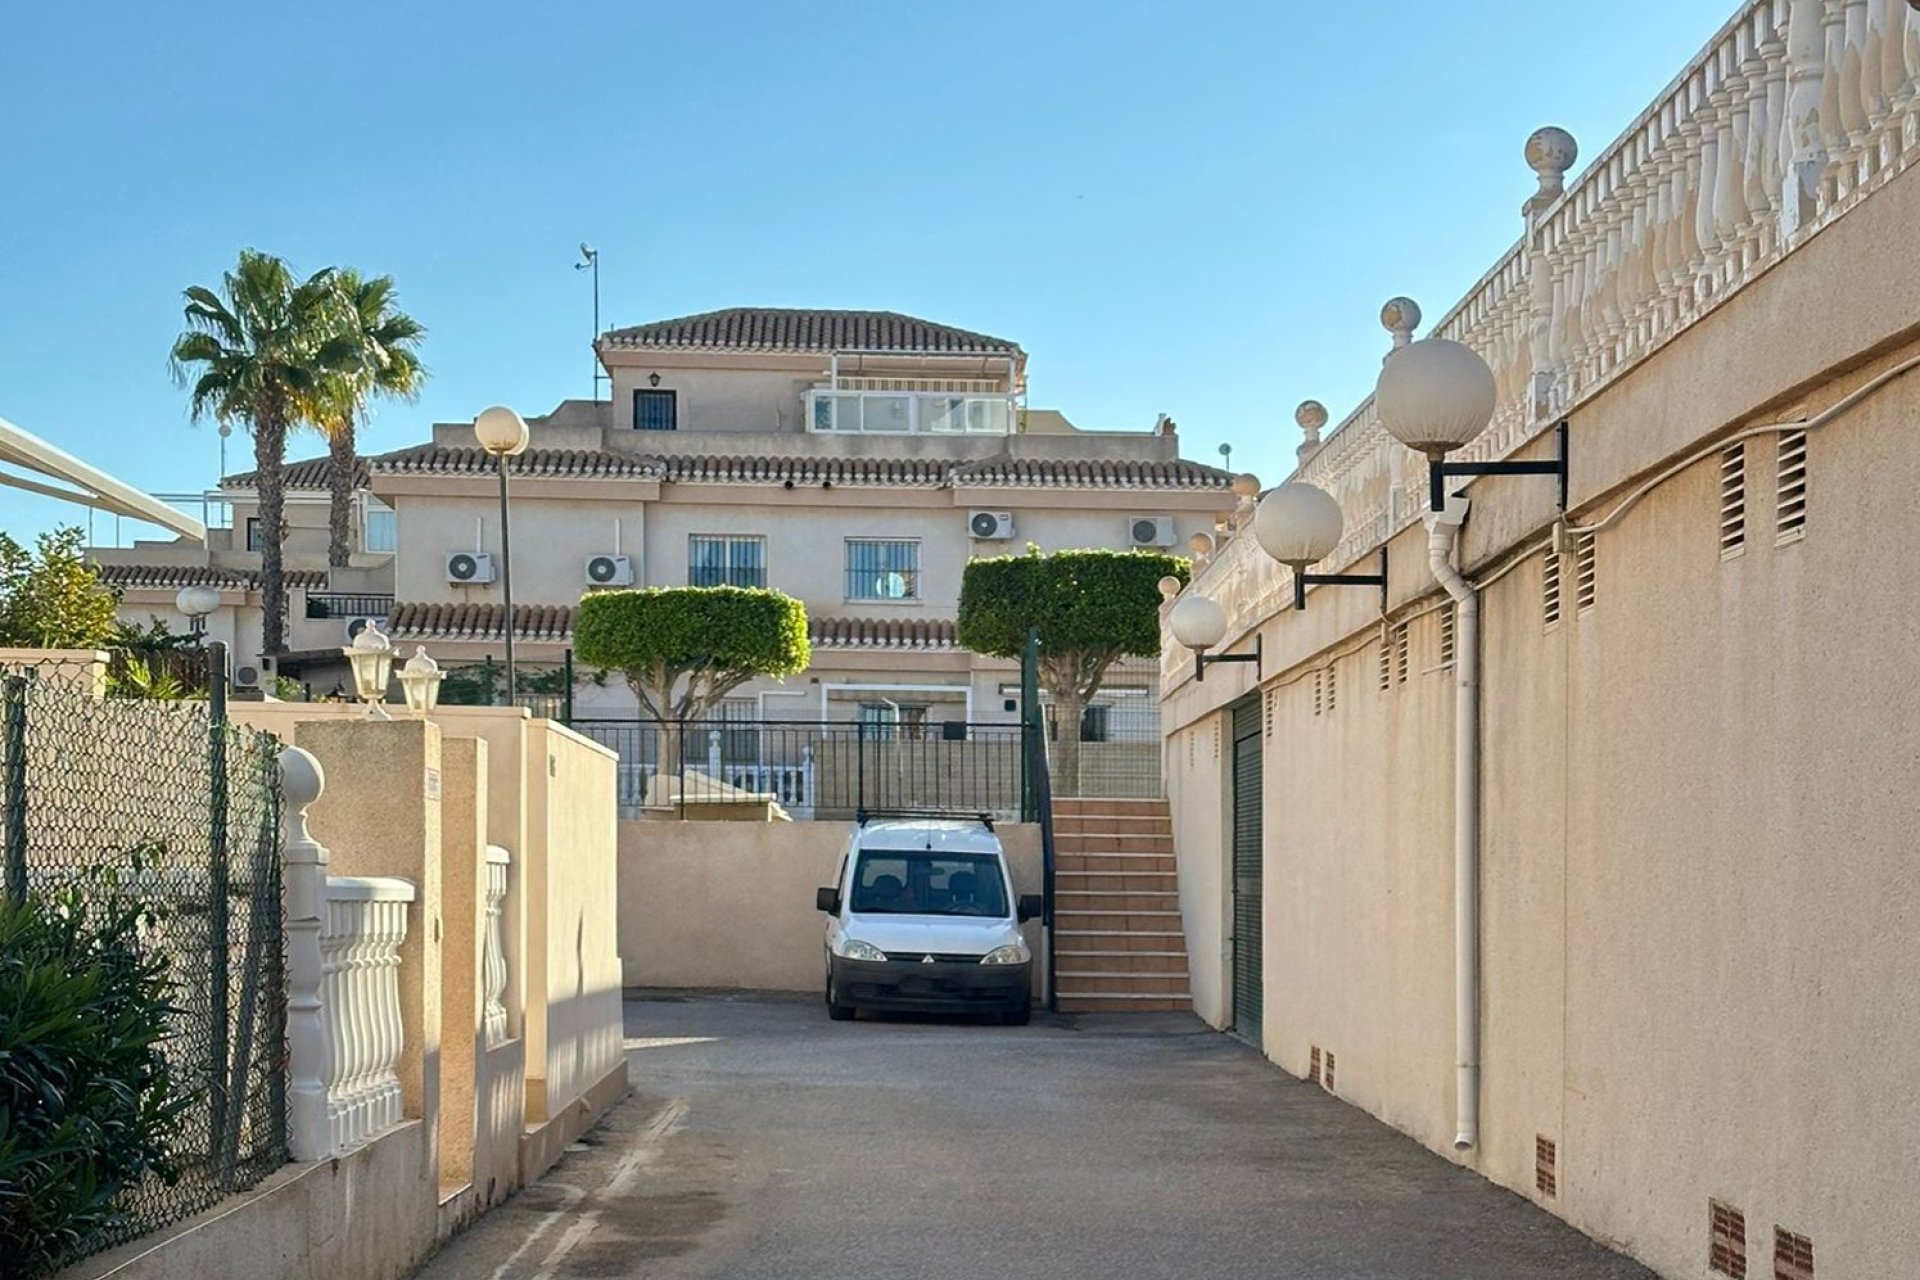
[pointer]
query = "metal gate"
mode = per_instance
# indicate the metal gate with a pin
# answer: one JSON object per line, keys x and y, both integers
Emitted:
{"x": 1247, "y": 987}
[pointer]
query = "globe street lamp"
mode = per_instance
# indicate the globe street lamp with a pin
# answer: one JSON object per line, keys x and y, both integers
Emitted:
{"x": 1300, "y": 524}
{"x": 1201, "y": 624}
{"x": 196, "y": 602}
{"x": 1436, "y": 396}
{"x": 503, "y": 433}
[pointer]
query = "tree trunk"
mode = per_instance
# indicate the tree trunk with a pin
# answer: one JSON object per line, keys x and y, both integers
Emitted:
{"x": 1069, "y": 709}
{"x": 340, "y": 486}
{"x": 269, "y": 455}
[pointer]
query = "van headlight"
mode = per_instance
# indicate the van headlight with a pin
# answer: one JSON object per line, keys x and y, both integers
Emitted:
{"x": 854, "y": 949}
{"x": 1012, "y": 953}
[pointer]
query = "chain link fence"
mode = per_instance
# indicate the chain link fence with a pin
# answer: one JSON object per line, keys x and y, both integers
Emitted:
{"x": 154, "y": 801}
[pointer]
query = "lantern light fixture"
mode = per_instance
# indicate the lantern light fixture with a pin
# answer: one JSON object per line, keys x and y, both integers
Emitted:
{"x": 1436, "y": 396}
{"x": 1201, "y": 624}
{"x": 371, "y": 658}
{"x": 420, "y": 678}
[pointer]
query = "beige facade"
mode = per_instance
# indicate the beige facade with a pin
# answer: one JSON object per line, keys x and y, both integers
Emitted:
{"x": 1697, "y": 748}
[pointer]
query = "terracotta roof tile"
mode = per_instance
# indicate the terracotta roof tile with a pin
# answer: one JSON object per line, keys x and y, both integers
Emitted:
{"x": 413, "y": 620}
{"x": 906, "y": 472}
{"x": 788, "y": 329}
{"x": 1076, "y": 473}
{"x": 883, "y": 633}
{"x": 432, "y": 459}
{"x": 154, "y": 576}
{"x": 306, "y": 473}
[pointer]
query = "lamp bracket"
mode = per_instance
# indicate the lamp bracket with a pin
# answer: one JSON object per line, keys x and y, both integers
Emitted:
{"x": 1201, "y": 660}
{"x": 1301, "y": 581}
{"x": 1439, "y": 469}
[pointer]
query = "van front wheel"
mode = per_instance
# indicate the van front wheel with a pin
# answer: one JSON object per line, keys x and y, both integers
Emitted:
{"x": 835, "y": 1010}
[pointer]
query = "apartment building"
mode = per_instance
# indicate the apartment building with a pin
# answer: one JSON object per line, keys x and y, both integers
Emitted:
{"x": 853, "y": 459}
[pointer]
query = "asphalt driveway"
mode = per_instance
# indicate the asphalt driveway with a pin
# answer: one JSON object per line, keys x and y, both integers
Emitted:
{"x": 764, "y": 1142}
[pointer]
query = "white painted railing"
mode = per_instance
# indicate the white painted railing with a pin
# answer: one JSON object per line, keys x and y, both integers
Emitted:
{"x": 493, "y": 966}
{"x": 360, "y": 1000}
{"x": 1795, "y": 112}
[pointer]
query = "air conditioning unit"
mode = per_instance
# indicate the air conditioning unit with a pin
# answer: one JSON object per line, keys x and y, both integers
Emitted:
{"x": 1150, "y": 531}
{"x": 357, "y": 625}
{"x": 255, "y": 677}
{"x": 470, "y": 568}
{"x": 991, "y": 525}
{"x": 609, "y": 571}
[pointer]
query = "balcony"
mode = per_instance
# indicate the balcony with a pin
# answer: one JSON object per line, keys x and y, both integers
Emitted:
{"x": 891, "y": 412}
{"x": 335, "y": 604}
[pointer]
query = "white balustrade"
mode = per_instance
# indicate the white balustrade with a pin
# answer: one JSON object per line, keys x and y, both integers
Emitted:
{"x": 1795, "y": 112}
{"x": 493, "y": 965}
{"x": 360, "y": 937}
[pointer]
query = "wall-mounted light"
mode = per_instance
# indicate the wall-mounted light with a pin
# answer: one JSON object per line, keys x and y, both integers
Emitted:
{"x": 1300, "y": 524}
{"x": 371, "y": 657}
{"x": 1436, "y": 396}
{"x": 197, "y": 602}
{"x": 1201, "y": 624}
{"x": 653, "y": 379}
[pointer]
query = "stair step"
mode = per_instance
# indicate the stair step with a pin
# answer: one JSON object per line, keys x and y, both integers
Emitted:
{"x": 1181, "y": 1003}
{"x": 1161, "y": 862}
{"x": 1081, "y": 806}
{"x": 1121, "y": 984}
{"x": 1116, "y": 882}
{"x": 1147, "y": 923}
{"x": 1082, "y": 963}
{"x": 1115, "y": 900}
{"x": 1068, "y": 843}
{"x": 1106, "y": 824}
{"x": 1097, "y": 942}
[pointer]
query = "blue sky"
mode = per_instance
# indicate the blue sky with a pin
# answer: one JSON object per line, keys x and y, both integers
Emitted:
{"x": 1194, "y": 209}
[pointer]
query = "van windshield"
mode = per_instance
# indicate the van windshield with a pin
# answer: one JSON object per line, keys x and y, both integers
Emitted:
{"x": 929, "y": 884}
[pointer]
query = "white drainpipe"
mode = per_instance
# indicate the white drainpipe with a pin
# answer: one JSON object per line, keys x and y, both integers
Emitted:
{"x": 1443, "y": 532}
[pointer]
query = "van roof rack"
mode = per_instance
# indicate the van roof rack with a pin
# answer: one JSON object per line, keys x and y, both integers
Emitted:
{"x": 861, "y": 816}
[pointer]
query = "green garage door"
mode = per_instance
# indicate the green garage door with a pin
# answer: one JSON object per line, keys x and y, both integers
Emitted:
{"x": 1245, "y": 839}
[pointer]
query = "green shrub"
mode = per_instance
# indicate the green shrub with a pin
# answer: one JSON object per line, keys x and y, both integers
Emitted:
{"x": 683, "y": 649}
{"x": 88, "y": 1107}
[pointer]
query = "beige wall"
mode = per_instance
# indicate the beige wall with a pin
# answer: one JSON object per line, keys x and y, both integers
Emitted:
{"x": 1696, "y": 807}
{"x": 1198, "y": 780}
{"x": 722, "y": 399}
{"x": 731, "y": 905}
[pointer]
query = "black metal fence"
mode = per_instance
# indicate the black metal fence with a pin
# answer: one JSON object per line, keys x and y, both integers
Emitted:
{"x": 174, "y": 809}
{"x": 814, "y": 770}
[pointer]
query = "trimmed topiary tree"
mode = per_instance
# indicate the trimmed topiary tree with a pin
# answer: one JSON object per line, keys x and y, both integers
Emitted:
{"x": 1091, "y": 608}
{"x": 683, "y": 649}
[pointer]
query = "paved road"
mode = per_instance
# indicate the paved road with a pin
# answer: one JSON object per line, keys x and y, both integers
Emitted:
{"x": 764, "y": 1142}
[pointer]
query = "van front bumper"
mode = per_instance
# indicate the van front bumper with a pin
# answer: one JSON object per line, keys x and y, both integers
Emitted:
{"x": 917, "y": 987}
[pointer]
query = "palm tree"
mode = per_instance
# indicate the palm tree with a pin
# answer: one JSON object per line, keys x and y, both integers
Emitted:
{"x": 387, "y": 364}
{"x": 257, "y": 352}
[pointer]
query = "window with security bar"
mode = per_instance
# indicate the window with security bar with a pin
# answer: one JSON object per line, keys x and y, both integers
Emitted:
{"x": 726, "y": 560}
{"x": 883, "y": 569}
{"x": 655, "y": 410}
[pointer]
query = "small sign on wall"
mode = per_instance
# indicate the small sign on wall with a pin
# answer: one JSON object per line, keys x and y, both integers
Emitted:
{"x": 433, "y": 784}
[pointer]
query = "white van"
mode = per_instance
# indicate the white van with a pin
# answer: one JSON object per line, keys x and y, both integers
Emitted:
{"x": 924, "y": 919}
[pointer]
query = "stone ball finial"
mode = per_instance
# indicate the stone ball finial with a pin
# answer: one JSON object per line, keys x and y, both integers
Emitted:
{"x": 1246, "y": 485}
{"x": 1200, "y": 544}
{"x": 1400, "y": 317}
{"x": 301, "y": 778}
{"x": 1551, "y": 150}
{"x": 1169, "y": 587}
{"x": 1310, "y": 417}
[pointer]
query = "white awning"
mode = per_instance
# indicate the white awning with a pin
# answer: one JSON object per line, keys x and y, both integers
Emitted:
{"x": 23, "y": 452}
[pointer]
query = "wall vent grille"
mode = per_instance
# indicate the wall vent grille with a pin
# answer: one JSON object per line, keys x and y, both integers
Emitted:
{"x": 1586, "y": 572}
{"x": 1447, "y": 634}
{"x": 1219, "y": 731}
{"x": 1333, "y": 685}
{"x": 1400, "y": 654}
{"x": 1386, "y": 662}
{"x": 1733, "y": 501}
{"x": 1313, "y": 1064}
{"x": 1326, "y": 1072}
{"x": 1319, "y": 693}
{"x": 1791, "y": 504}
{"x": 1550, "y": 589}
{"x": 1792, "y": 1256}
{"x": 1273, "y": 709}
{"x": 1545, "y": 1173}
{"x": 1727, "y": 1235}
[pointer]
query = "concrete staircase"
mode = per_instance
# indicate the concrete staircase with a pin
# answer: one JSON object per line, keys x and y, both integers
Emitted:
{"x": 1120, "y": 944}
